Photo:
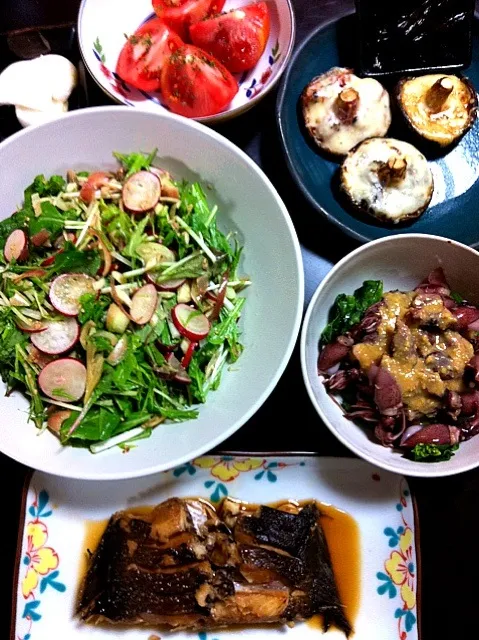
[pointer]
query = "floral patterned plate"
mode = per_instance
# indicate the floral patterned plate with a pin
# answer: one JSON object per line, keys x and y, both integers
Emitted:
{"x": 102, "y": 25}
{"x": 61, "y": 516}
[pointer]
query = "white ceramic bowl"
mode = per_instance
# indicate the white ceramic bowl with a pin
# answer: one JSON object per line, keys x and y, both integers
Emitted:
{"x": 102, "y": 25}
{"x": 401, "y": 262}
{"x": 247, "y": 202}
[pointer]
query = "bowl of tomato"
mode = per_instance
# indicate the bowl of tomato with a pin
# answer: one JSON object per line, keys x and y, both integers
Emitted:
{"x": 209, "y": 60}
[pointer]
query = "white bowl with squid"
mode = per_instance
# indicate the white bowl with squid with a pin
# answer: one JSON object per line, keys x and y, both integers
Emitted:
{"x": 401, "y": 262}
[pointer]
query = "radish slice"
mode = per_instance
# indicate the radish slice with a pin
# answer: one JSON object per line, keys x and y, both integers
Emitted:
{"x": 168, "y": 285}
{"x": 66, "y": 291}
{"x": 191, "y": 323}
{"x": 63, "y": 379}
{"x": 36, "y": 326}
{"x": 16, "y": 246}
{"x": 143, "y": 304}
{"x": 180, "y": 373}
{"x": 154, "y": 252}
{"x": 95, "y": 181}
{"x": 58, "y": 336}
{"x": 40, "y": 238}
{"x": 141, "y": 192}
{"x": 56, "y": 420}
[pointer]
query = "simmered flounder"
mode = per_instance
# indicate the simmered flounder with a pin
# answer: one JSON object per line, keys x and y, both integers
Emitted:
{"x": 387, "y": 178}
{"x": 440, "y": 108}
{"x": 341, "y": 110}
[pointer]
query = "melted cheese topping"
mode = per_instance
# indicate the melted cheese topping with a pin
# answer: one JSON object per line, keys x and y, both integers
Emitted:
{"x": 447, "y": 124}
{"x": 408, "y": 352}
{"x": 372, "y": 119}
{"x": 396, "y": 202}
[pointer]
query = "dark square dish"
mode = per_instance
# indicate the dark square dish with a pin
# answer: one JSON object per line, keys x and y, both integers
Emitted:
{"x": 414, "y": 35}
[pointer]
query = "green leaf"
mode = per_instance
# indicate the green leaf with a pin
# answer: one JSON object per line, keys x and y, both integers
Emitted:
{"x": 134, "y": 162}
{"x": 220, "y": 332}
{"x": 136, "y": 238}
{"x": 197, "y": 213}
{"x": 73, "y": 260}
{"x": 117, "y": 224}
{"x": 93, "y": 308}
{"x": 456, "y": 297}
{"x": 97, "y": 425}
{"x": 192, "y": 268}
{"x": 423, "y": 452}
{"x": 50, "y": 219}
{"x": 348, "y": 310}
{"x": 44, "y": 187}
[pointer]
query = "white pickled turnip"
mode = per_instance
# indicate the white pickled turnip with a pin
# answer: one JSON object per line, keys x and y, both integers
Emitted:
{"x": 141, "y": 192}
{"x": 63, "y": 380}
{"x": 59, "y": 335}
{"x": 143, "y": 304}
{"x": 16, "y": 246}
{"x": 66, "y": 291}
{"x": 190, "y": 322}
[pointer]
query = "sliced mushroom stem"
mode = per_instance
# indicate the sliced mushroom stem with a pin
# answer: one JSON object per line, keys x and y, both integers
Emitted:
{"x": 346, "y": 105}
{"x": 438, "y": 94}
{"x": 392, "y": 172}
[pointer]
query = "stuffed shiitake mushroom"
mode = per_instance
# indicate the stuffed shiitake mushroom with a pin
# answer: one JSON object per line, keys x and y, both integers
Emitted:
{"x": 388, "y": 179}
{"x": 341, "y": 110}
{"x": 440, "y": 108}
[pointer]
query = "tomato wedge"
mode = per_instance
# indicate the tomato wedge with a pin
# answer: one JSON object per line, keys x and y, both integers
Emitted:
{"x": 180, "y": 14}
{"x": 144, "y": 53}
{"x": 236, "y": 38}
{"x": 195, "y": 84}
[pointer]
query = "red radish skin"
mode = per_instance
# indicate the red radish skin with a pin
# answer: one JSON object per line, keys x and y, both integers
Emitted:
{"x": 34, "y": 273}
{"x": 141, "y": 192}
{"x": 16, "y": 246}
{"x": 50, "y": 260}
{"x": 56, "y": 420}
{"x": 40, "y": 238}
{"x": 58, "y": 336}
{"x": 185, "y": 361}
{"x": 63, "y": 380}
{"x": 191, "y": 323}
{"x": 168, "y": 285}
{"x": 94, "y": 182}
{"x": 66, "y": 291}
{"x": 37, "y": 326}
{"x": 143, "y": 304}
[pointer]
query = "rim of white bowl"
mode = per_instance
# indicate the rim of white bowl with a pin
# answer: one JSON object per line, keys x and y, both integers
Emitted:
{"x": 421, "y": 471}
{"x": 113, "y": 110}
{"x": 223, "y": 115}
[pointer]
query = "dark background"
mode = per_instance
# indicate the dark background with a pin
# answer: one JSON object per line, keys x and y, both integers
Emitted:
{"x": 448, "y": 508}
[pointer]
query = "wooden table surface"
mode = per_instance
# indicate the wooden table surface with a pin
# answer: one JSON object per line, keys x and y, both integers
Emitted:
{"x": 448, "y": 508}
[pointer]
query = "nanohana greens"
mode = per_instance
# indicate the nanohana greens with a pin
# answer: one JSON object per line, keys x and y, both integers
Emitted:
{"x": 119, "y": 302}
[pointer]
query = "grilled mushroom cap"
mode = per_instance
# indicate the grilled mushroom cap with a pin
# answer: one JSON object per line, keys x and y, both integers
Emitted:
{"x": 341, "y": 110}
{"x": 387, "y": 178}
{"x": 440, "y": 108}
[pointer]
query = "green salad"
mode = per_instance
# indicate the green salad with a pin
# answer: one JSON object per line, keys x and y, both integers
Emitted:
{"x": 119, "y": 302}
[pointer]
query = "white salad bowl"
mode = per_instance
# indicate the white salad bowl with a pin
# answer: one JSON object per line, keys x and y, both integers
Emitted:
{"x": 401, "y": 262}
{"x": 102, "y": 25}
{"x": 247, "y": 202}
